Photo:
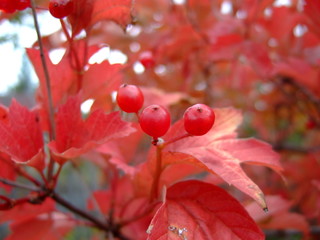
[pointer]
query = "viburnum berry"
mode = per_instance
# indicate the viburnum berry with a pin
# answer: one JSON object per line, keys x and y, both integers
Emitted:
{"x": 22, "y": 4}
{"x": 130, "y": 98}
{"x": 198, "y": 119}
{"x": 155, "y": 121}
{"x": 60, "y": 8}
{"x": 8, "y": 6}
{"x": 147, "y": 60}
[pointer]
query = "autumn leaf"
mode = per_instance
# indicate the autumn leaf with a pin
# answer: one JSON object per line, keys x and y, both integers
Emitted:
{"x": 99, "y": 81}
{"x": 221, "y": 153}
{"x": 21, "y": 136}
{"x": 279, "y": 217}
{"x": 197, "y": 210}
{"x": 312, "y": 10}
{"x": 26, "y": 219}
{"x": 25, "y": 211}
{"x": 76, "y": 136}
{"x": 155, "y": 95}
{"x": 7, "y": 170}
{"x": 61, "y": 76}
{"x": 83, "y": 18}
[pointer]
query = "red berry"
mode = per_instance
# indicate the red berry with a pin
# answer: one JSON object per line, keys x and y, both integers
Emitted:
{"x": 7, "y": 6}
{"x": 147, "y": 60}
{"x": 310, "y": 124}
{"x": 155, "y": 121}
{"x": 22, "y": 4}
{"x": 130, "y": 98}
{"x": 198, "y": 119}
{"x": 60, "y": 8}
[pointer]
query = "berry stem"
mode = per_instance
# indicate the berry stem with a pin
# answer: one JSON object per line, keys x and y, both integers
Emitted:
{"x": 155, "y": 184}
{"x": 48, "y": 86}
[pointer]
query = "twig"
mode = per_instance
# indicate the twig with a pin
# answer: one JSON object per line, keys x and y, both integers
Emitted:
{"x": 19, "y": 185}
{"x": 48, "y": 86}
{"x": 98, "y": 223}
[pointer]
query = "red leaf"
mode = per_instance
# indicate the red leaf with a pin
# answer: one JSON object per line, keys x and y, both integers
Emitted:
{"x": 84, "y": 18}
{"x": 99, "y": 81}
{"x": 221, "y": 153}
{"x": 312, "y": 10}
{"x": 49, "y": 226}
{"x": 197, "y": 210}
{"x": 278, "y": 217}
{"x": 23, "y": 212}
{"x": 155, "y": 96}
{"x": 122, "y": 151}
{"x": 7, "y": 170}
{"x": 61, "y": 76}
{"x": 81, "y": 16}
{"x": 75, "y": 136}
{"x": 21, "y": 136}
{"x": 118, "y": 11}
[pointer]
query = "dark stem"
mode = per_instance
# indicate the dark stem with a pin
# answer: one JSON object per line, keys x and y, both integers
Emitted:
{"x": 18, "y": 185}
{"x": 48, "y": 86}
{"x": 97, "y": 222}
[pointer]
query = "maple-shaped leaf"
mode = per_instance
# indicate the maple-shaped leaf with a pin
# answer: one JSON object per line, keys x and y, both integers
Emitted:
{"x": 202, "y": 211}
{"x": 122, "y": 151}
{"x": 220, "y": 152}
{"x": 99, "y": 81}
{"x": 76, "y": 136}
{"x": 83, "y": 18}
{"x": 61, "y": 76}
{"x": 117, "y": 11}
{"x": 21, "y": 136}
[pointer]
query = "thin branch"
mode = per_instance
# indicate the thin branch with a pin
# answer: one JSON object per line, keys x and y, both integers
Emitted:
{"x": 19, "y": 185}
{"x": 48, "y": 86}
{"x": 98, "y": 223}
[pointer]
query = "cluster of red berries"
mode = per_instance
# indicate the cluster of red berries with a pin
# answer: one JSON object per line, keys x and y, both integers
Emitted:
{"x": 57, "y": 8}
{"x": 10, "y": 6}
{"x": 155, "y": 119}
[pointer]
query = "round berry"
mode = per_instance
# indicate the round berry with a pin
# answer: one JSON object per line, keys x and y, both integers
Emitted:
{"x": 130, "y": 98}
{"x": 147, "y": 60}
{"x": 22, "y": 4}
{"x": 155, "y": 121}
{"x": 8, "y": 6}
{"x": 198, "y": 119}
{"x": 60, "y": 8}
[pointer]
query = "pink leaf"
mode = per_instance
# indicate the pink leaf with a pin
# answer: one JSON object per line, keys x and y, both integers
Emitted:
{"x": 21, "y": 136}
{"x": 76, "y": 136}
{"x": 197, "y": 210}
{"x": 221, "y": 153}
